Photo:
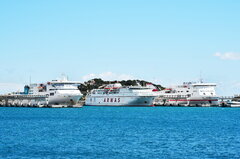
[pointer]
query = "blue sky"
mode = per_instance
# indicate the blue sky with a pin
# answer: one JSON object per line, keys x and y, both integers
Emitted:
{"x": 167, "y": 42}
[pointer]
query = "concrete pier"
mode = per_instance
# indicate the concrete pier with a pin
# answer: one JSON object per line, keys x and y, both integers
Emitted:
{"x": 31, "y": 101}
{"x": 23, "y": 100}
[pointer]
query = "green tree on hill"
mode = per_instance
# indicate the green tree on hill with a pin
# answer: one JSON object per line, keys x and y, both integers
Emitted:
{"x": 97, "y": 83}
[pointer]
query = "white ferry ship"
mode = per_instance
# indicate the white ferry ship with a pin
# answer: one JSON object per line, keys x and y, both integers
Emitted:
{"x": 57, "y": 92}
{"x": 189, "y": 94}
{"x": 117, "y": 95}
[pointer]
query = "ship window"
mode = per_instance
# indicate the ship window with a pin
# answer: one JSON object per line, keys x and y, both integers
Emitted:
{"x": 51, "y": 94}
{"x": 204, "y": 93}
{"x": 187, "y": 91}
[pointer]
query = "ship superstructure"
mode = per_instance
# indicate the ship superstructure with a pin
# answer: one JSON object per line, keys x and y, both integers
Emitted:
{"x": 118, "y": 95}
{"x": 190, "y": 93}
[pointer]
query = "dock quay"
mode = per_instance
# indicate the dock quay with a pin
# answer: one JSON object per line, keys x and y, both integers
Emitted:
{"x": 183, "y": 100}
{"x": 31, "y": 101}
{"x": 165, "y": 101}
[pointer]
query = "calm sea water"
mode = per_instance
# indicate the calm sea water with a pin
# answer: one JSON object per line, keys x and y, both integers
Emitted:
{"x": 120, "y": 133}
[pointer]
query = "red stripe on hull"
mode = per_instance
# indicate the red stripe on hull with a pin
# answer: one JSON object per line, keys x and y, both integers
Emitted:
{"x": 185, "y": 100}
{"x": 121, "y": 105}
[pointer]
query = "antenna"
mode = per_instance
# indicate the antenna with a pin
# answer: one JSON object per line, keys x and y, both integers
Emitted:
{"x": 201, "y": 79}
{"x": 64, "y": 77}
{"x": 30, "y": 80}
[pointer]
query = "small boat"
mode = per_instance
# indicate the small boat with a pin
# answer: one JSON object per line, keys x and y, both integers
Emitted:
{"x": 234, "y": 104}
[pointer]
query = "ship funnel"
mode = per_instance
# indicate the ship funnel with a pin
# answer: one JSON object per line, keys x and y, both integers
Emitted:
{"x": 26, "y": 89}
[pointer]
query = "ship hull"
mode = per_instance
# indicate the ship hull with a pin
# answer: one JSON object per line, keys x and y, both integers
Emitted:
{"x": 135, "y": 101}
{"x": 64, "y": 99}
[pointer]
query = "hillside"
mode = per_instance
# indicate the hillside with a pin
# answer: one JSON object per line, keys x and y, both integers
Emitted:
{"x": 97, "y": 82}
